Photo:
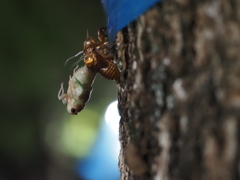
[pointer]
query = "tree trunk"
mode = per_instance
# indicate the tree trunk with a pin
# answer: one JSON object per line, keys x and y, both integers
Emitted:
{"x": 179, "y": 96}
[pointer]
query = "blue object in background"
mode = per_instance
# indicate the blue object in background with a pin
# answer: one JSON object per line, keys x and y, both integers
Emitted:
{"x": 101, "y": 163}
{"x": 122, "y": 12}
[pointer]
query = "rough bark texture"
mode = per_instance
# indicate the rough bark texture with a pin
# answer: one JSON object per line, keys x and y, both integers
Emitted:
{"x": 179, "y": 97}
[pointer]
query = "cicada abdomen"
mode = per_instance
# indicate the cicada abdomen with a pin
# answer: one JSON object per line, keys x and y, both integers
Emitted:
{"x": 110, "y": 72}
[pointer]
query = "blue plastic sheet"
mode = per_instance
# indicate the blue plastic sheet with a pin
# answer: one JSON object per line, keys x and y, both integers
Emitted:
{"x": 122, "y": 12}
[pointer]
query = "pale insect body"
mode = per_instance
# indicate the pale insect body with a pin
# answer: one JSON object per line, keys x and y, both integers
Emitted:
{"x": 79, "y": 89}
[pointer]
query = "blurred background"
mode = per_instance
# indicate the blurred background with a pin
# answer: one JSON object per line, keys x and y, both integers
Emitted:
{"x": 38, "y": 138}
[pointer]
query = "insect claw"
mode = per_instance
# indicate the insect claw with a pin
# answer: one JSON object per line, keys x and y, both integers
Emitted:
{"x": 60, "y": 92}
{"x": 62, "y": 96}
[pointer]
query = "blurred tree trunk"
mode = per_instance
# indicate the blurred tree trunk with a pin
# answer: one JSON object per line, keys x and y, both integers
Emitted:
{"x": 179, "y": 97}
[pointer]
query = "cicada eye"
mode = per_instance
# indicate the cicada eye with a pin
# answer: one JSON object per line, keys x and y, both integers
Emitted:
{"x": 73, "y": 111}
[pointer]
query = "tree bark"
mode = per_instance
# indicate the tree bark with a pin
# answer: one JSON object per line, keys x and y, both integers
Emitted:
{"x": 179, "y": 96}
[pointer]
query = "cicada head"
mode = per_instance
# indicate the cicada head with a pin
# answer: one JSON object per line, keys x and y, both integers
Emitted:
{"x": 77, "y": 95}
{"x": 88, "y": 45}
{"x": 75, "y": 106}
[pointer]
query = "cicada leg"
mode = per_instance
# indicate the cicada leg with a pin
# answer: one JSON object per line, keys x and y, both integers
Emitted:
{"x": 62, "y": 96}
{"x": 101, "y": 34}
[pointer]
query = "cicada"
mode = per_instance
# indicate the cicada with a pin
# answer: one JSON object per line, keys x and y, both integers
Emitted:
{"x": 97, "y": 59}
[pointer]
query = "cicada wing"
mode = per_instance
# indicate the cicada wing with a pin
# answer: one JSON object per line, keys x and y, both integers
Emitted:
{"x": 77, "y": 87}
